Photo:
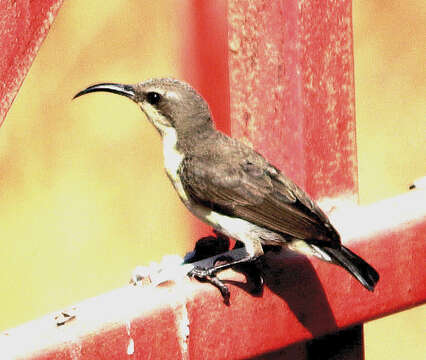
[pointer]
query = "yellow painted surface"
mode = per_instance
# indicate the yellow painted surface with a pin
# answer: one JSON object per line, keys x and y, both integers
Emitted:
{"x": 390, "y": 83}
{"x": 83, "y": 195}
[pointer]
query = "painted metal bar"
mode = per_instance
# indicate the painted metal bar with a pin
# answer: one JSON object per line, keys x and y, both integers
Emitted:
{"x": 303, "y": 299}
{"x": 292, "y": 89}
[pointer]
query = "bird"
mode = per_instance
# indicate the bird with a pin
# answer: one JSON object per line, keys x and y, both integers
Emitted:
{"x": 232, "y": 187}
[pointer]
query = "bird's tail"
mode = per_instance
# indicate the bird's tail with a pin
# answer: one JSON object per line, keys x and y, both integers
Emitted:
{"x": 359, "y": 268}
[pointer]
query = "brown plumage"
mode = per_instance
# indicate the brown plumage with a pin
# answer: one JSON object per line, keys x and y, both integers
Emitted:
{"x": 239, "y": 182}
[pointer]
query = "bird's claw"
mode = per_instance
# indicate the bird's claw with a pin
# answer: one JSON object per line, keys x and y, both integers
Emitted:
{"x": 209, "y": 275}
{"x": 222, "y": 288}
{"x": 202, "y": 274}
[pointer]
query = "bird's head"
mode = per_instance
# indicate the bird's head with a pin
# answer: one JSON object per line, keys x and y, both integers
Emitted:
{"x": 167, "y": 103}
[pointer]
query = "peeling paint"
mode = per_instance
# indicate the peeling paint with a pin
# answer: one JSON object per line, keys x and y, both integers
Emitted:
{"x": 131, "y": 347}
{"x": 183, "y": 329}
{"x": 131, "y": 344}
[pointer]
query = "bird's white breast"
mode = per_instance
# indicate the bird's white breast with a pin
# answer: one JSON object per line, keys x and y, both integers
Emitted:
{"x": 172, "y": 160}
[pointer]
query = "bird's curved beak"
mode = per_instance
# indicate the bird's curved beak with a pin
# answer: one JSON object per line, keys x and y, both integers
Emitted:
{"x": 120, "y": 89}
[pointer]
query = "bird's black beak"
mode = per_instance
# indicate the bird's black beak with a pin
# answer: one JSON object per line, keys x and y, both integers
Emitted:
{"x": 120, "y": 89}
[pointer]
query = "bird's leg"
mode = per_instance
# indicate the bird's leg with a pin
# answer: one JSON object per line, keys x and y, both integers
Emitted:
{"x": 253, "y": 250}
{"x": 220, "y": 285}
{"x": 207, "y": 247}
{"x": 254, "y": 274}
{"x": 254, "y": 270}
{"x": 211, "y": 272}
{"x": 247, "y": 259}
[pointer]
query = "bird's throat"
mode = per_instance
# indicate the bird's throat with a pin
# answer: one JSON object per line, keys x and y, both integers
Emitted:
{"x": 159, "y": 121}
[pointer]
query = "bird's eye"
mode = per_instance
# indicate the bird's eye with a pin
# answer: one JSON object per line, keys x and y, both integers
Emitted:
{"x": 153, "y": 98}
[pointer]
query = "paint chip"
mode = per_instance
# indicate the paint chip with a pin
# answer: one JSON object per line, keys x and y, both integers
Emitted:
{"x": 131, "y": 347}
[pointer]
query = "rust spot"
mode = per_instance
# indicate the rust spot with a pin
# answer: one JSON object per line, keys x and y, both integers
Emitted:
{"x": 246, "y": 118}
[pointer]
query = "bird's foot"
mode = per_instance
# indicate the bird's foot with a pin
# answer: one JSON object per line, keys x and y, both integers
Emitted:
{"x": 220, "y": 263}
{"x": 202, "y": 274}
{"x": 209, "y": 275}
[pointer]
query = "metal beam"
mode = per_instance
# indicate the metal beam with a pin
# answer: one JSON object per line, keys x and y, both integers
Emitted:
{"x": 303, "y": 299}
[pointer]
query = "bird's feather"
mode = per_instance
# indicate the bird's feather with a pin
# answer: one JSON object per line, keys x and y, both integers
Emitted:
{"x": 359, "y": 268}
{"x": 237, "y": 181}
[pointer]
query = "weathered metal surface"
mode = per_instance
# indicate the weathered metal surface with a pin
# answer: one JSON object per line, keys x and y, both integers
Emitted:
{"x": 303, "y": 299}
{"x": 204, "y": 63}
{"x": 292, "y": 89}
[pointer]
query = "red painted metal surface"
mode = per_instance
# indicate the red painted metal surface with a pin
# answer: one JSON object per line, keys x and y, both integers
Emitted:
{"x": 303, "y": 298}
{"x": 292, "y": 89}
{"x": 121, "y": 324}
{"x": 23, "y": 27}
{"x": 205, "y": 66}
{"x": 205, "y": 63}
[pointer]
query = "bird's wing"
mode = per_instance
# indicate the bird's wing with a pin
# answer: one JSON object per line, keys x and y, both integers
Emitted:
{"x": 245, "y": 185}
